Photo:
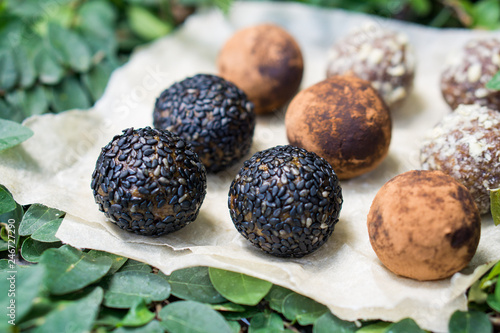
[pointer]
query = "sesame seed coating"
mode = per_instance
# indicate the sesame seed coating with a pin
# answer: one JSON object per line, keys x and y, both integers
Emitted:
{"x": 286, "y": 201}
{"x": 149, "y": 182}
{"x": 212, "y": 114}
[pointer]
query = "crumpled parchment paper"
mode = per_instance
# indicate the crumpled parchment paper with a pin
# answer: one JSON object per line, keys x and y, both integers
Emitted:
{"x": 54, "y": 167}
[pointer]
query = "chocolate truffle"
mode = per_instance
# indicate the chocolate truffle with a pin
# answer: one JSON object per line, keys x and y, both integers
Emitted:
{"x": 466, "y": 145}
{"x": 464, "y": 79}
{"x": 265, "y": 61}
{"x": 424, "y": 225}
{"x": 285, "y": 201}
{"x": 212, "y": 114}
{"x": 381, "y": 56}
{"x": 344, "y": 120}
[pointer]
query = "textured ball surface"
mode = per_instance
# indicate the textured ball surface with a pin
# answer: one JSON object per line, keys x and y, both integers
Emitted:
{"x": 381, "y": 56}
{"x": 286, "y": 201}
{"x": 466, "y": 145}
{"x": 343, "y": 120}
{"x": 212, "y": 114}
{"x": 149, "y": 182}
{"x": 424, "y": 225}
{"x": 265, "y": 61}
{"x": 464, "y": 79}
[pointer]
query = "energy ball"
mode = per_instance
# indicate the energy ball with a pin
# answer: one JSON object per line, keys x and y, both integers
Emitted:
{"x": 343, "y": 120}
{"x": 212, "y": 114}
{"x": 265, "y": 61}
{"x": 381, "y": 56}
{"x": 464, "y": 79}
{"x": 424, "y": 225}
{"x": 466, "y": 145}
{"x": 285, "y": 201}
{"x": 149, "y": 182}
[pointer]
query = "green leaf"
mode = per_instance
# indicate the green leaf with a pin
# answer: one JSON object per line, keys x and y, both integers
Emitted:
{"x": 28, "y": 283}
{"x": 194, "y": 284}
{"x": 487, "y": 280}
{"x": 487, "y": 14}
{"x": 228, "y": 306}
{"x": 469, "y": 322}
{"x": 12, "y": 134}
{"x": 266, "y": 322}
{"x": 124, "y": 289}
{"x": 37, "y": 101}
{"x": 82, "y": 313}
{"x": 302, "y": 309}
{"x": 98, "y": 19}
{"x": 14, "y": 216}
{"x": 476, "y": 294}
{"x": 406, "y": 325}
{"x": 72, "y": 49}
{"x": 152, "y": 327}
{"x": 7, "y": 202}
{"x": 276, "y": 296}
{"x": 235, "y": 326}
{"x": 68, "y": 95}
{"x": 329, "y": 323}
{"x": 36, "y": 216}
{"x": 250, "y": 312}
{"x": 494, "y": 84}
{"x": 4, "y": 265}
{"x": 48, "y": 69}
{"x": 190, "y": 316}
{"x": 421, "y": 7}
{"x": 380, "y": 327}
{"x": 69, "y": 269}
{"x": 134, "y": 265}
{"x": 8, "y": 71}
{"x": 47, "y": 232}
{"x": 239, "y": 288}
{"x": 110, "y": 317}
{"x": 25, "y": 67}
{"x": 146, "y": 25}
{"x": 8, "y": 112}
{"x": 31, "y": 250}
{"x": 117, "y": 261}
{"x": 495, "y": 204}
{"x": 97, "y": 79}
{"x": 138, "y": 315}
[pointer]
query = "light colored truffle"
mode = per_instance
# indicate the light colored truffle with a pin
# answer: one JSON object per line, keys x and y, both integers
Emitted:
{"x": 265, "y": 62}
{"x": 424, "y": 225}
{"x": 343, "y": 120}
{"x": 466, "y": 145}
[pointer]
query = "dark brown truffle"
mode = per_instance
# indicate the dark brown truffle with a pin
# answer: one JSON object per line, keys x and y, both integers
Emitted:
{"x": 424, "y": 225}
{"x": 343, "y": 120}
{"x": 265, "y": 62}
{"x": 464, "y": 79}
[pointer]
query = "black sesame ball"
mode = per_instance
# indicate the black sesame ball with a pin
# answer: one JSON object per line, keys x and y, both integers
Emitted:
{"x": 149, "y": 182}
{"x": 211, "y": 113}
{"x": 286, "y": 201}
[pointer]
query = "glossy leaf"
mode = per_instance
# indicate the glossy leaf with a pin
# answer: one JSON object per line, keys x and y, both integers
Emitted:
{"x": 12, "y": 134}
{"x": 31, "y": 250}
{"x": 28, "y": 283}
{"x": 72, "y": 49}
{"x": 36, "y": 216}
{"x": 69, "y": 269}
{"x": 134, "y": 265}
{"x": 266, "y": 322}
{"x": 380, "y": 327}
{"x": 329, "y": 323}
{"x": 124, "y": 289}
{"x": 37, "y": 101}
{"x": 469, "y": 322}
{"x": 110, "y": 317}
{"x": 239, "y": 288}
{"x": 407, "y": 325}
{"x": 7, "y": 203}
{"x": 138, "y": 315}
{"x": 153, "y": 327}
{"x": 190, "y": 316}
{"x": 487, "y": 14}
{"x": 97, "y": 18}
{"x": 302, "y": 309}
{"x": 48, "y": 69}
{"x": 146, "y": 25}
{"x": 235, "y": 326}
{"x": 47, "y": 232}
{"x": 194, "y": 284}
{"x": 117, "y": 261}
{"x": 8, "y": 71}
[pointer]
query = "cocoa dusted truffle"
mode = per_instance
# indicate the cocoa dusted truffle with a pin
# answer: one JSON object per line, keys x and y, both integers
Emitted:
{"x": 265, "y": 61}
{"x": 466, "y": 145}
{"x": 286, "y": 201}
{"x": 149, "y": 182}
{"x": 212, "y": 114}
{"x": 464, "y": 79}
{"x": 343, "y": 120}
{"x": 381, "y": 56}
{"x": 424, "y": 225}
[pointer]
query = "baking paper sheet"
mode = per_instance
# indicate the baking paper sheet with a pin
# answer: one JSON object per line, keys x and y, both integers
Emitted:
{"x": 54, "y": 167}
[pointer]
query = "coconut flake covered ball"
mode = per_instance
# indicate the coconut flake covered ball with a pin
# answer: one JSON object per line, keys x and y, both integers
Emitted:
{"x": 149, "y": 182}
{"x": 381, "y": 56}
{"x": 464, "y": 79}
{"x": 424, "y": 225}
{"x": 212, "y": 114}
{"x": 285, "y": 201}
{"x": 466, "y": 145}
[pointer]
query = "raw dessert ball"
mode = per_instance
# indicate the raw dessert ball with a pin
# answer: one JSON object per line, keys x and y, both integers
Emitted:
{"x": 265, "y": 61}
{"x": 210, "y": 113}
{"x": 464, "y": 79}
{"x": 343, "y": 120}
{"x": 466, "y": 146}
{"x": 424, "y": 225}
{"x": 286, "y": 201}
{"x": 378, "y": 55}
{"x": 149, "y": 182}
